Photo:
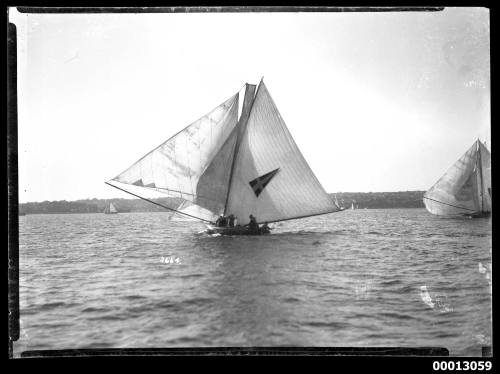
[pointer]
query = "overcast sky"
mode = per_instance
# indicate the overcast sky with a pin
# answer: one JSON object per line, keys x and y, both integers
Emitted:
{"x": 375, "y": 101}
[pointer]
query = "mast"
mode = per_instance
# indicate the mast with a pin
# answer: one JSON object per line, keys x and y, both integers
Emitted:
{"x": 245, "y": 113}
{"x": 480, "y": 167}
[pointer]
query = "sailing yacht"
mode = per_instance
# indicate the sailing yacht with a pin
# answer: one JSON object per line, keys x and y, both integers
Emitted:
{"x": 110, "y": 209}
{"x": 337, "y": 203}
{"x": 223, "y": 164}
{"x": 465, "y": 189}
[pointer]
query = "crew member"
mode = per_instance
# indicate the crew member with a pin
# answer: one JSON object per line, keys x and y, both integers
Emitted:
{"x": 221, "y": 221}
{"x": 253, "y": 223}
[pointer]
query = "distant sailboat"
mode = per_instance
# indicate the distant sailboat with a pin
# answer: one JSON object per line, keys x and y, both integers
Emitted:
{"x": 465, "y": 189}
{"x": 337, "y": 203}
{"x": 223, "y": 165}
{"x": 110, "y": 209}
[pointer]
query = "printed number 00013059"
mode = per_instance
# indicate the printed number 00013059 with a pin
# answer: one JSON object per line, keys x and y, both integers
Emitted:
{"x": 461, "y": 365}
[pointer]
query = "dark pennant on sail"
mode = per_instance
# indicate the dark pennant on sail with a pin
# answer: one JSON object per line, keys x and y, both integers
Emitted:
{"x": 258, "y": 184}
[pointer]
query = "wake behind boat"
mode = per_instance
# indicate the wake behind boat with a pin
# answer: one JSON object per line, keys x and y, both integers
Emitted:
{"x": 225, "y": 165}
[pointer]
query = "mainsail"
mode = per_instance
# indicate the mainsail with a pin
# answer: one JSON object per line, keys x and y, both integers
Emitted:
{"x": 266, "y": 147}
{"x": 466, "y": 187}
{"x": 224, "y": 165}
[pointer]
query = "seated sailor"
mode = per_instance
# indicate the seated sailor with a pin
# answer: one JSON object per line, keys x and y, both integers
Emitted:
{"x": 253, "y": 223}
{"x": 221, "y": 221}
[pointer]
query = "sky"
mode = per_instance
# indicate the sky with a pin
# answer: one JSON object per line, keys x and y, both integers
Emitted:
{"x": 375, "y": 101}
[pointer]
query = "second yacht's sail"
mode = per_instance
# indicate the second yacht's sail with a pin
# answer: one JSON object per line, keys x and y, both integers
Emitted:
{"x": 465, "y": 188}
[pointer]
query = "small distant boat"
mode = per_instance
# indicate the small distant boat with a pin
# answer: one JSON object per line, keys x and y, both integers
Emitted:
{"x": 110, "y": 209}
{"x": 337, "y": 203}
{"x": 465, "y": 189}
{"x": 225, "y": 163}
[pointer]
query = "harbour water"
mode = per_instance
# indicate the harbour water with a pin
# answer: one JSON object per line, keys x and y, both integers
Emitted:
{"x": 399, "y": 277}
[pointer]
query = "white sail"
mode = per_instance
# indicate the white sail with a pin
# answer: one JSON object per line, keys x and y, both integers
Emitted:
{"x": 195, "y": 163}
{"x": 112, "y": 208}
{"x": 187, "y": 210}
{"x": 458, "y": 191}
{"x": 271, "y": 178}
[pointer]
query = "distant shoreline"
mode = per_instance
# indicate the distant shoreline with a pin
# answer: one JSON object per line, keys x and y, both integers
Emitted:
{"x": 166, "y": 211}
{"x": 347, "y": 200}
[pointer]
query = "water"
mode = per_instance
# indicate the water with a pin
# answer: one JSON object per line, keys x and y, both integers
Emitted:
{"x": 355, "y": 278}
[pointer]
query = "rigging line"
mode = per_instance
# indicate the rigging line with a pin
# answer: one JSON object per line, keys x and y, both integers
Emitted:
{"x": 244, "y": 84}
{"x": 306, "y": 216}
{"x": 163, "y": 206}
{"x": 162, "y": 190}
{"x": 454, "y": 206}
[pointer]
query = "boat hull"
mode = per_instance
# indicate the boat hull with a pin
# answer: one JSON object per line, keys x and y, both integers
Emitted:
{"x": 238, "y": 230}
{"x": 478, "y": 215}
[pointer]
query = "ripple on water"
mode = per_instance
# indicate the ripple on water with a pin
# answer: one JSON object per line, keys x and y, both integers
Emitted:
{"x": 331, "y": 280}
